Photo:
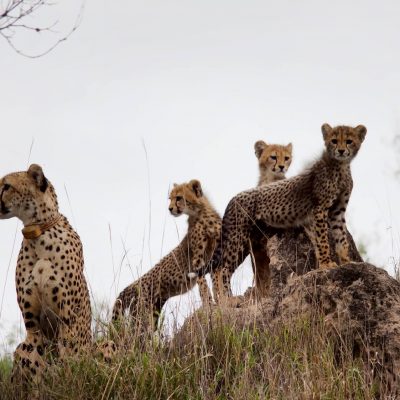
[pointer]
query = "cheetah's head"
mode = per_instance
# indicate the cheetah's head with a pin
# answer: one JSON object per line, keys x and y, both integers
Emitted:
{"x": 186, "y": 198}
{"x": 343, "y": 142}
{"x": 273, "y": 159}
{"x": 27, "y": 195}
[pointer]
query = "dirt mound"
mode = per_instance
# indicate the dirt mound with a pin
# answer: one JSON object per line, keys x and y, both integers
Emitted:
{"x": 358, "y": 305}
{"x": 361, "y": 307}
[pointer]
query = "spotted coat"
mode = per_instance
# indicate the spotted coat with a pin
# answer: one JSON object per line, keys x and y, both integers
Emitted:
{"x": 170, "y": 277}
{"x": 51, "y": 288}
{"x": 314, "y": 199}
{"x": 273, "y": 162}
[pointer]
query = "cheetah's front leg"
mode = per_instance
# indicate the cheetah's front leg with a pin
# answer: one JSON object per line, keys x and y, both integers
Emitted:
{"x": 234, "y": 252}
{"x": 28, "y": 360}
{"x": 337, "y": 223}
{"x": 28, "y": 357}
{"x": 317, "y": 231}
{"x": 204, "y": 290}
{"x": 198, "y": 245}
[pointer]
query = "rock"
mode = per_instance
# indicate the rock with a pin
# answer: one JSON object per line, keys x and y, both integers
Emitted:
{"x": 361, "y": 306}
{"x": 358, "y": 304}
{"x": 292, "y": 253}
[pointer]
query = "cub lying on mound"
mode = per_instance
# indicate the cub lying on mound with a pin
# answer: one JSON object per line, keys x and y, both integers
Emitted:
{"x": 146, "y": 297}
{"x": 51, "y": 287}
{"x": 313, "y": 199}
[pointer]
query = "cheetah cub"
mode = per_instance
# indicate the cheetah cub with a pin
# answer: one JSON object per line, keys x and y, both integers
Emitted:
{"x": 273, "y": 161}
{"x": 314, "y": 199}
{"x": 51, "y": 288}
{"x": 146, "y": 296}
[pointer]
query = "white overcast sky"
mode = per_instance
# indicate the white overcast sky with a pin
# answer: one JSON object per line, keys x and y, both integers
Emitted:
{"x": 196, "y": 83}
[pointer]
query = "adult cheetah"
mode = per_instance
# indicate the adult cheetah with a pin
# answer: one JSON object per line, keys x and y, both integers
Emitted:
{"x": 170, "y": 277}
{"x": 51, "y": 288}
{"x": 315, "y": 199}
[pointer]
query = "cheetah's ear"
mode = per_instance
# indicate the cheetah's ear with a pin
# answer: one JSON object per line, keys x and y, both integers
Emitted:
{"x": 259, "y": 147}
{"x": 326, "y": 130}
{"x": 36, "y": 173}
{"x": 196, "y": 187}
{"x": 289, "y": 148}
{"x": 361, "y": 131}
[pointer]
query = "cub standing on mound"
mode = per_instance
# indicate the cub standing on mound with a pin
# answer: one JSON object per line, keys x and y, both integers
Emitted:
{"x": 51, "y": 288}
{"x": 314, "y": 199}
{"x": 170, "y": 277}
{"x": 273, "y": 161}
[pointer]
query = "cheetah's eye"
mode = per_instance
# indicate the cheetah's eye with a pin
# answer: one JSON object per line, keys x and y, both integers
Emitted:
{"x": 349, "y": 141}
{"x": 178, "y": 198}
{"x": 286, "y": 158}
{"x": 273, "y": 157}
{"x": 334, "y": 141}
{"x": 6, "y": 187}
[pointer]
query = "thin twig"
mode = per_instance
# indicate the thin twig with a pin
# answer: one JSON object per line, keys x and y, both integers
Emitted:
{"x": 10, "y": 23}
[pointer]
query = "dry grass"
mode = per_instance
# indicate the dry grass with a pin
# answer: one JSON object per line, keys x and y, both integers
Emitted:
{"x": 217, "y": 360}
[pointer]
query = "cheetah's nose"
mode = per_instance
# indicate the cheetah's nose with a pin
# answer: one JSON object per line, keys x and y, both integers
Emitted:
{"x": 341, "y": 152}
{"x": 281, "y": 167}
{"x": 170, "y": 209}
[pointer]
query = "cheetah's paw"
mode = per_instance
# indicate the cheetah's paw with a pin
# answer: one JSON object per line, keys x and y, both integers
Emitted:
{"x": 328, "y": 265}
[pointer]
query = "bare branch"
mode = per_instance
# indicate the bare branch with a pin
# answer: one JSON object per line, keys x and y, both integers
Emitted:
{"x": 17, "y": 15}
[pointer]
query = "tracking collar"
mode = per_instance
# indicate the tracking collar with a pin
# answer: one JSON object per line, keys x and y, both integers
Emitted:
{"x": 36, "y": 230}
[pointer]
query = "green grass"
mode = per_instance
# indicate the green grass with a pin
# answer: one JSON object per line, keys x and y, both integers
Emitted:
{"x": 217, "y": 360}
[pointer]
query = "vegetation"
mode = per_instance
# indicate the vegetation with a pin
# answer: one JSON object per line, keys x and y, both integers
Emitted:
{"x": 212, "y": 358}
